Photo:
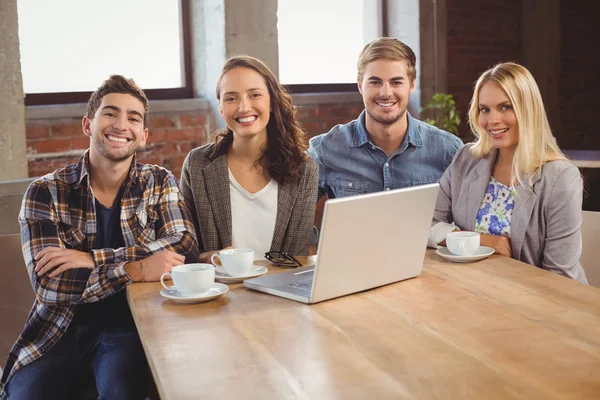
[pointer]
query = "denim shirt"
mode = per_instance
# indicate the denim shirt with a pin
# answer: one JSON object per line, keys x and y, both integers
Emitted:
{"x": 349, "y": 162}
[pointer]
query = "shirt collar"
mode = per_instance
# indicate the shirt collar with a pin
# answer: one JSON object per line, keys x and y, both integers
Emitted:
{"x": 83, "y": 168}
{"x": 360, "y": 136}
{"x": 414, "y": 131}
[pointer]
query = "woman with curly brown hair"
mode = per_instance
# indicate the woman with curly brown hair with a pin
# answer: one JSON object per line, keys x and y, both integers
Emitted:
{"x": 254, "y": 187}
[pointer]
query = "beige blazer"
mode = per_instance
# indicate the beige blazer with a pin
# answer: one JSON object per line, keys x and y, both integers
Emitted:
{"x": 546, "y": 222}
{"x": 205, "y": 188}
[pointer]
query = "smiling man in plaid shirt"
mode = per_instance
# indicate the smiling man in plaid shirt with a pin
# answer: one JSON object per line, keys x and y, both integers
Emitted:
{"x": 89, "y": 230}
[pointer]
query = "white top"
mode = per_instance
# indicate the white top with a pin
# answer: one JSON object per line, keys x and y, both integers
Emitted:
{"x": 253, "y": 216}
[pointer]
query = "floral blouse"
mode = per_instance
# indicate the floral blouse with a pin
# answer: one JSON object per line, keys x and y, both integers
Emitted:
{"x": 496, "y": 209}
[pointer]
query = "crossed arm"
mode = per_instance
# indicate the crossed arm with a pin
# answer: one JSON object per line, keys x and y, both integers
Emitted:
{"x": 62, "y": 275}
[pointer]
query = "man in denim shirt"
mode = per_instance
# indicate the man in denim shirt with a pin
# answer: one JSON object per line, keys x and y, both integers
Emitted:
{"x": 385, "y": 148}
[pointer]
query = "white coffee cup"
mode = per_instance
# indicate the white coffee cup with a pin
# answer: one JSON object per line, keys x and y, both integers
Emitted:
{"x": 462, "y": 243}
{"x": 190, "y": 279}
{"x": 237, "y": 262}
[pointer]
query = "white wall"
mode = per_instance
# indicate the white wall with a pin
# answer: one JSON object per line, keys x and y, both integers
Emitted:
{"x": 403, "y": 23}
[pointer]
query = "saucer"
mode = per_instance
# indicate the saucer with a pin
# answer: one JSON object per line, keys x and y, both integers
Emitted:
{"x": 222, "y": 276}
{"x": 481, "y": 253}
{"x": 216, "y": 290}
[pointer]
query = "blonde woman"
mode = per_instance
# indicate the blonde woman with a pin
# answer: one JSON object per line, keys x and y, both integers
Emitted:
{"x": 513, "y": 185}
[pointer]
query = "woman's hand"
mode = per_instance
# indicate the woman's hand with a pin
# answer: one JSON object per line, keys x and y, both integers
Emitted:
{"x": 206, "y": 256}
{"x": 501, "y": 244}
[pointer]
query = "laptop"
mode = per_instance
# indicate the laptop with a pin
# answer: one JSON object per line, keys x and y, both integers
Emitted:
{"x": 366, "y": 241}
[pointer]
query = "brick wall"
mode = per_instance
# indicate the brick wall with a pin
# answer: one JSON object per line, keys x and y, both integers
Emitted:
{"x": 580, "y": 79}
{"x": 480, "y": 34}
{"x": 320, "y": 118}
{"x": 52, "y": 144}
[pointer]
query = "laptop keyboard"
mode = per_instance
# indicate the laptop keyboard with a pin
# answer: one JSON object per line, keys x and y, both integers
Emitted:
{"x": 305, "y": 284}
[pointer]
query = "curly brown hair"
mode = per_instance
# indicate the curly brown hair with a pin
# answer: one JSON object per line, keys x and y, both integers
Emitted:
{"x": 117, "y": 84}
{"x": 286, "y": 141}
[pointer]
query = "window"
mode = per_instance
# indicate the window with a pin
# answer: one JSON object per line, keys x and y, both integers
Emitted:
{"x": 320, "y": 40}
{"x": 69, "y": 47}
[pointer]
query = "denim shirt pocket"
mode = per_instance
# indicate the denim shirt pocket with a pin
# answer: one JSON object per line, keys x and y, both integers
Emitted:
{"x": 348, "y": 187}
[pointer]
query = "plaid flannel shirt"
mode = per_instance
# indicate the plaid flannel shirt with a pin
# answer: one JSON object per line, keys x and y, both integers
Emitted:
{"x": 58, "y": 210}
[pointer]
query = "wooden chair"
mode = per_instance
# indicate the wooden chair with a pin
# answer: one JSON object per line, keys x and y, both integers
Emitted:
{"x": 590, "y": 256}
{"x": 11, "y": 195}
{"x": 16, "y": 295}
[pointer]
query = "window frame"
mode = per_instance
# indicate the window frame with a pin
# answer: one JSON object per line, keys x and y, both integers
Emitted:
{"x": 303, "y": 88}
{"x": 184, "y": 92}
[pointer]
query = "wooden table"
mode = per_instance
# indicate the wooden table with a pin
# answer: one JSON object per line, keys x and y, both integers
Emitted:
{"x": 494, "y": 329}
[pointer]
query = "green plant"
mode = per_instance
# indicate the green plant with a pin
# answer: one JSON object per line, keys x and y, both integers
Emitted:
{"x": 441, "y": 112}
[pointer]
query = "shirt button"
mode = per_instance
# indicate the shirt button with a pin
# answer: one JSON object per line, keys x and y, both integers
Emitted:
{"x": 387, "y": 165}
{"x": 350, "y": 184}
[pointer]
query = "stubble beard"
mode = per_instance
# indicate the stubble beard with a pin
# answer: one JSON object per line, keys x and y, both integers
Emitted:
{"x": 104, "y": 150}
{"x": 387, "y": 121}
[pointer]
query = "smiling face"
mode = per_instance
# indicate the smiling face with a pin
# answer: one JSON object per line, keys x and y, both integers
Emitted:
{"x": 117, "y": 129}
{"x": 386, "y": 89}
{"x": 245, "y": 102}
{"x": 497, "y": 116}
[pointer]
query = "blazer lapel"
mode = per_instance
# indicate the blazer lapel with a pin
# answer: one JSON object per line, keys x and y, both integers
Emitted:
{"x": 286, "y": 198}
{"x": 525, "y": 201}
{"x": 216, "y": 178}
{"x": 477, "y": 186}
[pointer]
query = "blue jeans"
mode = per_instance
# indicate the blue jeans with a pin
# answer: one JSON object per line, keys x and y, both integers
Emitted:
{"x": 113, "y": 356}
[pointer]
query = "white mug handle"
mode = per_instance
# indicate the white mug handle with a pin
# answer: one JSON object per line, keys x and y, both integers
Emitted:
{"x": 162, "y": 280}
{"x": 212, "y": 260}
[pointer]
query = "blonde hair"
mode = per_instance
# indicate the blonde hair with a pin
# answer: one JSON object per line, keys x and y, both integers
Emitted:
{"x": 387, "y": 48}
{"x": 536, "y": 145}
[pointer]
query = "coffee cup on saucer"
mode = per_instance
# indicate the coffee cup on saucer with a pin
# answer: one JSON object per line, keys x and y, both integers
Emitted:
{"x": 237, "y": 262}
{"x": 462, "y": 243}
{"x": 190, "y": 279}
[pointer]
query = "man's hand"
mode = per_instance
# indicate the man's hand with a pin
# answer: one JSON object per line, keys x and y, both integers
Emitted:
{"x": 159, "y": 263}
{"x": 62, "y": 259}
{"x": 501, "y": 244}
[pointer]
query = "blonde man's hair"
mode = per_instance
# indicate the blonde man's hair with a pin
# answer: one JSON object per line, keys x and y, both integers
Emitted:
{"x": 387, "y": 48}
{"x": 536, "y": 145}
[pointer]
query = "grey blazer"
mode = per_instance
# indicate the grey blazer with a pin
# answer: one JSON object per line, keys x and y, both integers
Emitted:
{"x": 205, "y": 188}
{"x": 546, "y": 221}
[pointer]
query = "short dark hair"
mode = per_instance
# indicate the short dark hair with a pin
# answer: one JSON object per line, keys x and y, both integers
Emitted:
{"x": 117, "y": 84}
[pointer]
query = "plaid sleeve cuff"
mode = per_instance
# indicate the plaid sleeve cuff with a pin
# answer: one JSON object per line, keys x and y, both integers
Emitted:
{"x": 105, "y": 281}
{"x": 119, "y": 272}
{"x": 103, "y": 256}
{"x": 113, "y": 256}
